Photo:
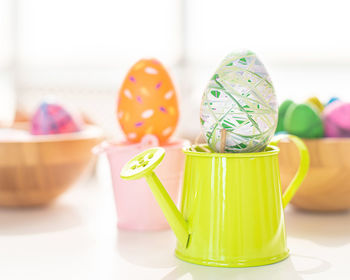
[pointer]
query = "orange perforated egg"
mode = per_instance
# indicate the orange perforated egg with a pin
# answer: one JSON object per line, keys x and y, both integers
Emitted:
{"x": 147, "y": 102}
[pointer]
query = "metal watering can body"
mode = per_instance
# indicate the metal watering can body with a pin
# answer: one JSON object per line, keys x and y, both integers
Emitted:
{"x": 232, "y": 205}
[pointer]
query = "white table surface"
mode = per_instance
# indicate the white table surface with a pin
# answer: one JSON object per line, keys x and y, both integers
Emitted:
{"x": 77, "y": 238}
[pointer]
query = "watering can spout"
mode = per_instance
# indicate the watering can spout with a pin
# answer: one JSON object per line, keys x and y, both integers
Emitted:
{"x": 142, "y": 165}
{"x": 171, "y": 213}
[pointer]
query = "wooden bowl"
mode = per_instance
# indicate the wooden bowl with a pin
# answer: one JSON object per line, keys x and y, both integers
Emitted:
{"x": 327, "y": 184}
{"x": 34, "y": 170}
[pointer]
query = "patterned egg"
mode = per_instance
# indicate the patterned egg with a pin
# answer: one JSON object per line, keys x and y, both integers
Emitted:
{"x": 239, "y": 109}
{"x": 147, "y": 102}
{"x": 52, "y": 118}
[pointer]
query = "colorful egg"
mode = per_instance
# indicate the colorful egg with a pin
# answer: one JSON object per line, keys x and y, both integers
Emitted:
{"x": 303, "y": 120}
{"x": 336, "y": 118}
{"x": 282, "y": 110}
{"x": 147, "y": 102}
{"x": 316, "y": 103}
{"x": 239, "y": 107}
{"x": 51, "y": 118}
{"x": 331, "y": 100}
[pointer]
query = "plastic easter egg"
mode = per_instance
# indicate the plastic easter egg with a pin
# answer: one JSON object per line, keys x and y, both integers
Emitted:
{"x": 239, "y": 106}
{"x": 147, "y": 102}
{"x": 336, "y": 118}
{"x": 331, "y": 100}
{"x": 303, "y": 120}
{"x": 281, "y": 114}
{"x": 52, "y": 118}
{"x": 316, "y": 102}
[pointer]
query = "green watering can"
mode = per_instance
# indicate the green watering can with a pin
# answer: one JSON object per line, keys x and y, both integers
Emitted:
{"x": 232, "y": 205}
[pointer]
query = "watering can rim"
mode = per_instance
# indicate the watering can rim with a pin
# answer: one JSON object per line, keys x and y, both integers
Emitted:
{"x": 269, "y": 150}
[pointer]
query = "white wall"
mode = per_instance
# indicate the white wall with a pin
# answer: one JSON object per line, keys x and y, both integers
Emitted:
{"x": 81, "y": 50}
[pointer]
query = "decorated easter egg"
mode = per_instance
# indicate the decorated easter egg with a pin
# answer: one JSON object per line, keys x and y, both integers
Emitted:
{"x": 303, "y": 120}
{"x": 52, "y": 118}
{"x": 147, "y": 102}
{"x": 336, "y": 119}
{"x": 239, "y": 107}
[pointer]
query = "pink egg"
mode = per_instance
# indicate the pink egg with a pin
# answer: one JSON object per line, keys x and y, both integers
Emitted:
{"x": 336, "y": 118}
{"x": 51, "y": 118}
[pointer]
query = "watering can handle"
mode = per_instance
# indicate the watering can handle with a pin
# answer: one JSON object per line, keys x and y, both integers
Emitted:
{"x": 303, "y": 165}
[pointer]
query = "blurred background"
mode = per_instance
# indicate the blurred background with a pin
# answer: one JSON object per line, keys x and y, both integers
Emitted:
{"x": 81, "y": 50}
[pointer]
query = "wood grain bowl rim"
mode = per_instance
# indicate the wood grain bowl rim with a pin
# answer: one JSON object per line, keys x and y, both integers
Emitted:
{"x": 326, "y": 140}
{"x": 89, "y": 132}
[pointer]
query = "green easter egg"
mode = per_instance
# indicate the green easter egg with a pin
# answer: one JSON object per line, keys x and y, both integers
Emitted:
{"x": 281, "y": 114}
{"x": 304, "y": 121}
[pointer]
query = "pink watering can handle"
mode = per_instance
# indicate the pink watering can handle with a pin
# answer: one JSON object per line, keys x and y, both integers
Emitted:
{"x": 100, "y": 148}
{"x": 303, "y": 165}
